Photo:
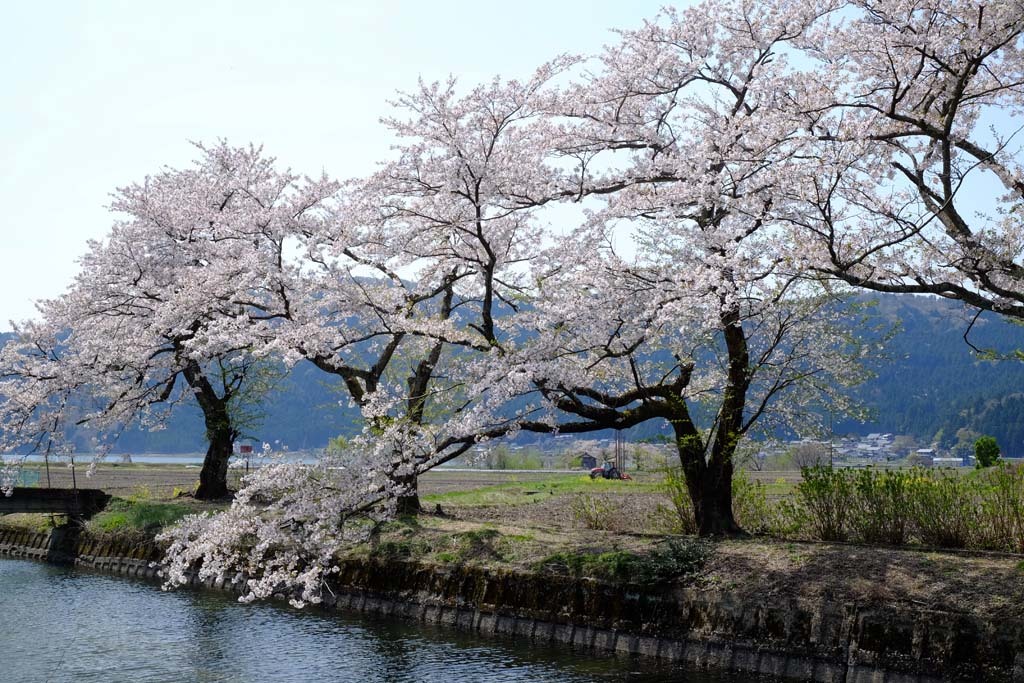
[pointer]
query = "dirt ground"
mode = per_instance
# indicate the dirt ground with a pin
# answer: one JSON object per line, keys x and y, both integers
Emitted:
{"x": 989, "y": 585}
{"x": 623, "y": 513}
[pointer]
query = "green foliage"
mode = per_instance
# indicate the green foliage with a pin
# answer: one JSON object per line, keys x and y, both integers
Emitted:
{"x": 503, "y": 458}
{"x": 677, "y": 558}
{"x": 137, "y": 514}
{"x": 337, "y": 444}
{"x": 616, "y": 565}
{"x": 750, "y": 504}
{"x": 942, "y": 505}
{"x": 484, "y": 545}
{"x": 254, "y": 380}
{"x": 882, "y": 512}
{"x": 827, "y": 495}
{"x": 402, "y": 548}
{"x": 986, "y": 451}
{"x": 1002, "y": 509}
{"x": 942, "y": 508}
{"x": 679, "y": 497}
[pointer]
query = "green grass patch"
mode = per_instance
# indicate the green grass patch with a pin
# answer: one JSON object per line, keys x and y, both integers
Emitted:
{"x": 778, "y": 488}
{"x": 32, "y": 521}
{"x": 675, "y": 559}
{"x": 484, "y": 545}
{"x": 137, "y": 515}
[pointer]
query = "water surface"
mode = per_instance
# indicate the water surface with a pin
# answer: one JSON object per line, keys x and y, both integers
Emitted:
{"x": 60, "y": 624}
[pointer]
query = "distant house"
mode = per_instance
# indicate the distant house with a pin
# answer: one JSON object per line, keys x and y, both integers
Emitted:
{"x": 948, "y": 462}
{"x": 588, "y": 462}
{"x": 923, "y": 456}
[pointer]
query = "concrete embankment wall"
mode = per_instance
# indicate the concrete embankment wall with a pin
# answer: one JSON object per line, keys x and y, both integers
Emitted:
{"x": 821, "y": 641}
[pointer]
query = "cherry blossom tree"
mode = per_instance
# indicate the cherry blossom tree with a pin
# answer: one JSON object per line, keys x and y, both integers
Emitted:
{"x": 40, "y": 394}
{"x": 403, "y": 284}
{"x": 688, "y": 136}
{"x": 917, "y": 186}
{"x": 284, "y": 528}
{"x": 153, "y": 316}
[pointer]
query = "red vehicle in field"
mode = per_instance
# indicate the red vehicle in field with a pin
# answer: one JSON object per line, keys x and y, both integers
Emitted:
{"x": 608, "y": 471}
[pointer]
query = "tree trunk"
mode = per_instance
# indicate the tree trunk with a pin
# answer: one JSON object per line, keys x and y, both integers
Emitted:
{"x": 213, "y": 478}
{"x": 220, "y": 433}
{"x": 708, "y": 481}
{"x": 409, "y": 501}
{"x": 711, "y": 494}
{"x": 711, "y": 484}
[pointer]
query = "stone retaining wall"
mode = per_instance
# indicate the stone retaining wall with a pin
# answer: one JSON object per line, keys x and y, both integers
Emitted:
{"x": 789, "y": 638}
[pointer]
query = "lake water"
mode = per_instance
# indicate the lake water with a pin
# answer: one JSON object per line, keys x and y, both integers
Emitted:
{"x": 60, "y": 624}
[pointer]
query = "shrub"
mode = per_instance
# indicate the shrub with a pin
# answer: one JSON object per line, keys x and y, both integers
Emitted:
{"x": 882, "y": 510}
{"x": 592, "y": 512}
{"x": 618, "y": 564}
{"x": 137, "y": 515}
{"x": 750, "y": 504}
{"x": 943, "y": 508}
{"x": 986, "y": 452}
{"x": 757, "y": 514}
{"x": 502, "y": 458}
{"x": 679, "y": 496}
{"x": 827, "y": 496}
{"x": 1002, "y": 508}
{"x": 677, "y": 558}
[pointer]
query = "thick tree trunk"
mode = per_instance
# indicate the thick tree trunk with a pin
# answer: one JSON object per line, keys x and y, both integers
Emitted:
{"x": 213, "y": 478}
{"x": 708, "y": 481}
{"x": 220, "y": 433}
{"x": 711, "y": 494}
{"x": 710, "y": 485}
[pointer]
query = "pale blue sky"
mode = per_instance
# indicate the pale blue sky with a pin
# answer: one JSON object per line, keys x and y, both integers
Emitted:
{"x": 98, "y": 94}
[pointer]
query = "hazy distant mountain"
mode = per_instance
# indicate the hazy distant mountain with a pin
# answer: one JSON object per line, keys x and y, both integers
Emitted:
{"x": 930, "y": 384}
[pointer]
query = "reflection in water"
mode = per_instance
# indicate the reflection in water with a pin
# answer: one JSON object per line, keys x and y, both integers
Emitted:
{"x": 61, "y": 625}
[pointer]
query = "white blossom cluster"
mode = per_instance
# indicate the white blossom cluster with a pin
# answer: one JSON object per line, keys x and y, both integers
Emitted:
{"x": 9, "y": 474}
{"x": 284, "y": 528}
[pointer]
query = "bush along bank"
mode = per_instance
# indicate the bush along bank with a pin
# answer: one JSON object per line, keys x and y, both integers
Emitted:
{"x": 937, "y": 508}
{"x": 649, "y": 604}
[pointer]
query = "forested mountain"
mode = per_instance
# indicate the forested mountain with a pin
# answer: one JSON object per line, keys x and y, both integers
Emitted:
{"x": 932, "y": 384}
{"x": 929, "y": 384}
